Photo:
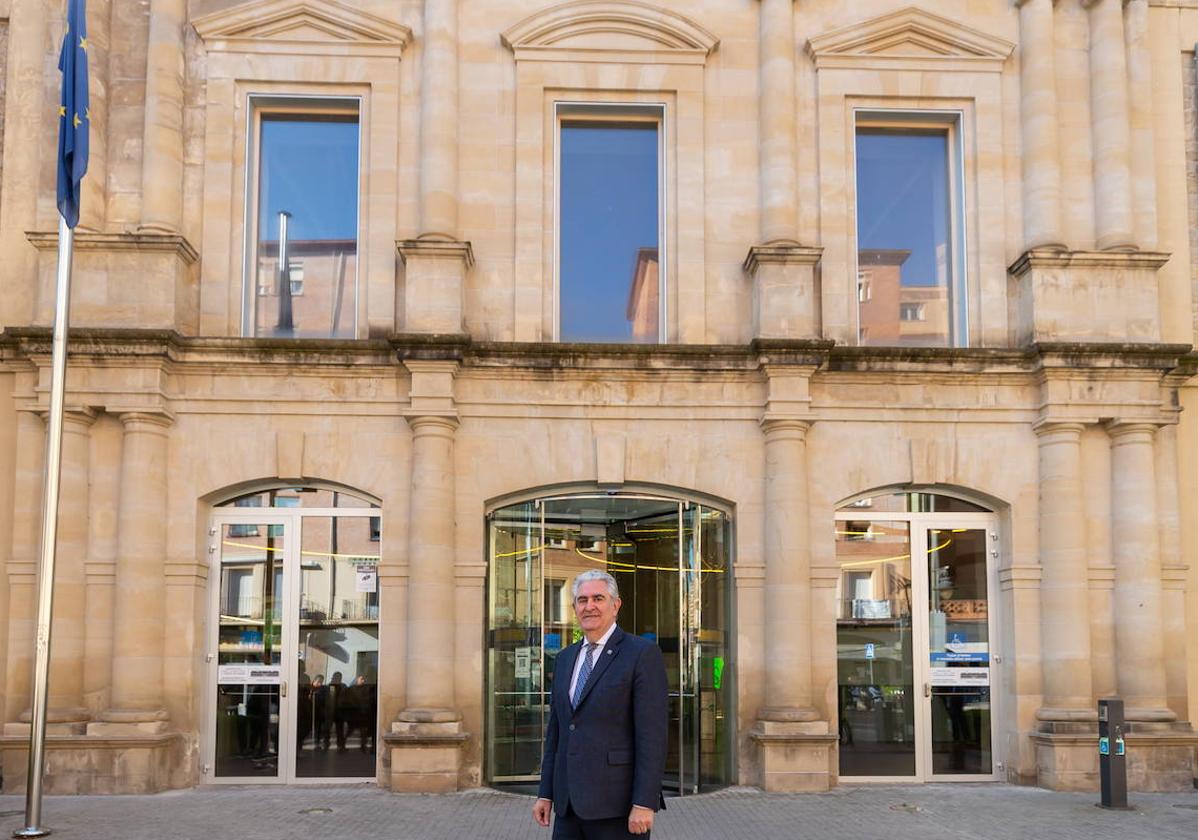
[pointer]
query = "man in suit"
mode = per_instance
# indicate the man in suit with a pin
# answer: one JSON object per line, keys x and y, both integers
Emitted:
{"x": 605, "y": 745}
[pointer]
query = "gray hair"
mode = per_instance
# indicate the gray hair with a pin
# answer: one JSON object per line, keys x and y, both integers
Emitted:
{"x": 595, "y": 574}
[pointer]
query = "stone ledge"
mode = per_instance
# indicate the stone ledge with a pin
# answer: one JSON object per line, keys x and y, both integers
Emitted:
{"x": 138, "y": 242}
{"x": 405, "y": 739}
{"x": 781, "y": 254}
{"x": 67, "y": 742}
{"x": 436, "y": 249}
{"x": 1054, "y": 258}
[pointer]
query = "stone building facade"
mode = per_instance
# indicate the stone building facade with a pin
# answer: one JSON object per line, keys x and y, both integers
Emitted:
{"x": 917, "y": 544}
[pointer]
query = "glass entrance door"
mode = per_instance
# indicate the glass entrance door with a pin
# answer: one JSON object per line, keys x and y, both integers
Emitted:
{"x": 914, "y": 628}
{"x": 294, "y": 641}
{"x": 669, "y": 559}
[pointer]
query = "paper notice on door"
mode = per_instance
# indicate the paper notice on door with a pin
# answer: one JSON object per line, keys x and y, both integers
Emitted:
{"x": 523, "y": 662}
{"x": 953, "y": 677}
{"x": 367, "y": 578}
{"x": 249, "y": 674}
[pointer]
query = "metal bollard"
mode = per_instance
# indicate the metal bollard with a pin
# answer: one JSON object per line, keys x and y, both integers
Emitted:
{"x": 1112, "y": 753}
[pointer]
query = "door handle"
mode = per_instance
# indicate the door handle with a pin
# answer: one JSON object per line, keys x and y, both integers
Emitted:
{"x": 927, "y": 690}
{"x": 283, "y": 688}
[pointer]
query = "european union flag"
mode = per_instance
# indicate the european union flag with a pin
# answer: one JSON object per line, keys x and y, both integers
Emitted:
{"x": 73, "y": 114}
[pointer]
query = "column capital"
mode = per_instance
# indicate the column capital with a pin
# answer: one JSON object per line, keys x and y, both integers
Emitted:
{"x": 784, "y": 428}
{"x": 154, "y": 422}
{"x": 1055, "y": 431}
{"x": 81, "y": 417}
{"x": 432, "y": 424}
{"x": 1131, "y": 431}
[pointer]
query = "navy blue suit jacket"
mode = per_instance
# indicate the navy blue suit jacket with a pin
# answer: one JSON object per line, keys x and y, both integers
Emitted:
{"x": 609, "y": 753}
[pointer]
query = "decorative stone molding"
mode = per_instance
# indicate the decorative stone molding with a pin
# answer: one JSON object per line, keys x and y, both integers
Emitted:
{"x": 616, "y": 29}
{"x": 434, "y": 284}
{"x": 285, "y": 26}
{"x": 785, "y": 302}
{"x": 119, "y": 243}
{"x": 910, "y": 39}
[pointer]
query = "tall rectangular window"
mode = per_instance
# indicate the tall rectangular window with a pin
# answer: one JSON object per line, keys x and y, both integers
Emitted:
{"x": 609, "y": 226}
{"x": 908, "y": 235}
{"x": 302, "y": 272}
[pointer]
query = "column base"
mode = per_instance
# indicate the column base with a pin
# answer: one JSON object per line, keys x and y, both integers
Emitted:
{"x": 785, "y": 304}
{"x": 795, "y": 752}
{"x": 425, "y": 748}
{"x": 1160, "y": 756}
{"x": 93, "y": 763}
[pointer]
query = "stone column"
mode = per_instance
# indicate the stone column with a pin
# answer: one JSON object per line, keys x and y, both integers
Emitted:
{"x": 94, "y": 204}
{"x": 28, "y": 490}
{"x": 783, "y": 272}
{"x": 426, "y": 740}
{"x": 795, "y": 744}
{"x": 1064, "y": 582}
{"x": 162, "y": 143}
{"x": 779, "y": 212}
{"x": 1140, "y": 95}
{"x": 1039, "y": 116}
{"x": 1110, "y": 117}
{"x": 137, "y": 645}
{"x": 1139, "y": 631}
{"x": 66, "y": 702}
{"x": 787, "y": 574}
{"x": 430, "y": 569}
{"x": 1173, "y": 567}
{"x": 23, "y": 147}
{"x": 439, "y": 121}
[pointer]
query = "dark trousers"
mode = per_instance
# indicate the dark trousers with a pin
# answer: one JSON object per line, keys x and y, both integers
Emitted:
{"x": 568, "y": 826}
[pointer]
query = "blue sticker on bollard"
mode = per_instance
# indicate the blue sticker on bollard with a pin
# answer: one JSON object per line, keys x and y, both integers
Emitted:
{"x": 1104, "y": 746}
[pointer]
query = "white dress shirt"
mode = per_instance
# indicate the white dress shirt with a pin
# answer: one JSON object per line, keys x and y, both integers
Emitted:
{"x": 594, "y": 657}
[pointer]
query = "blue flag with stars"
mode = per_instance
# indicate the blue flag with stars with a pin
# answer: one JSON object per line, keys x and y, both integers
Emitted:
{"x": 73, "y": 114}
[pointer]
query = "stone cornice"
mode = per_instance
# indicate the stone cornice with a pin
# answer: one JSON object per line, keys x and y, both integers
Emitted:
{"x": 777, "y": 253}
{"x": 436, "y": 248}
{"x": 117, "y": 242}
{"x": 1055, "y": 258}
{"x": 21, "y": 344}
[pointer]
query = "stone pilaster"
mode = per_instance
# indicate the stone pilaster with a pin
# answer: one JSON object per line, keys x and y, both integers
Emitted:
{"x": 28, "y": 490}
{"x": 1111, "y": 120}
{"x": 137, "y": 695}
{"x": 794, "y": 742}
{"x": 1039, "y": 117}
{"x": 439, "y": 121}
{"x": 427, "y": 739}
{"x": 23, "y": 149}
{"x": 778, "y": 175}
{"x": 1140, "y": 97}
{"x": 1173, "y": 567}
{"x": 162, "y": 140}
{"x": 783, "y": 273}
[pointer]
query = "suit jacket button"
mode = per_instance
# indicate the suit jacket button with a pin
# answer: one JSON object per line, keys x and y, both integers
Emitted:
{"x": 571, "y": 727}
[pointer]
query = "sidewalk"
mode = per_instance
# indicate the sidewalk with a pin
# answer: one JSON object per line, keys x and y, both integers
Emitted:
{"x": 932, "y": 812}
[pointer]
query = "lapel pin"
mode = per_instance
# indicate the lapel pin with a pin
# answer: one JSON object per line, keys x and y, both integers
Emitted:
{"x": 610, "y": 652}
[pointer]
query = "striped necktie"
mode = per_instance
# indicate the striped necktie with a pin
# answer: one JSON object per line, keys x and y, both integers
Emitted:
{"x": 588, "y": 663}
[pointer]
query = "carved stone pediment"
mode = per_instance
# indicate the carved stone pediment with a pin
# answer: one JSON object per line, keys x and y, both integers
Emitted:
{"x": 615, "y": 29}
{"x": 910, "y": 38}
{"x": 301, "y": 26}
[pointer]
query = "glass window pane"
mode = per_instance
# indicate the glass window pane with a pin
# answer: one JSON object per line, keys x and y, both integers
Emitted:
{"x": 905, "y": 254}
{"x": 337, "y": 705}
{"x": 608, "y": 269}
{"x": 876, "y": 678}
{"x": 959, "y": 651}
{"x": 307, "y": 170}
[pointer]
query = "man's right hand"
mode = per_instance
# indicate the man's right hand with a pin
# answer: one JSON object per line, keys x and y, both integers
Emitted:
{"x": 540, "y": 811}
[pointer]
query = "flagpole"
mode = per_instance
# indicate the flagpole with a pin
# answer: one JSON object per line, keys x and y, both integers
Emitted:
{"x": 45, "y": 592}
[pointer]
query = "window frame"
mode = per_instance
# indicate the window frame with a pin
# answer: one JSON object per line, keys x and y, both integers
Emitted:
{"x": 951, "y": 122}
{"x": 298, "y": 105}
{"x": 613, "y": 113}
